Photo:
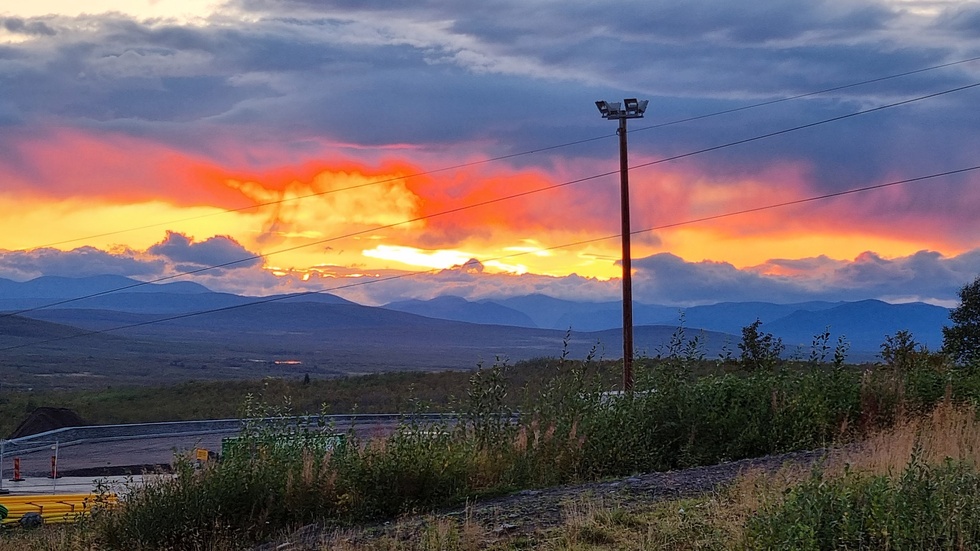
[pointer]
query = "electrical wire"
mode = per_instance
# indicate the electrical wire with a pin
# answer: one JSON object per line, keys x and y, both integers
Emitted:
{"x": 804, "y": 95}
{"x": 279, "y": 298}
{"x": 512, "y": 155}
{"x": 495, "y": 200}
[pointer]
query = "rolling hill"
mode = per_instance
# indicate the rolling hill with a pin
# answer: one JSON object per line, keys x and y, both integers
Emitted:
{"x": 157, "y": 329}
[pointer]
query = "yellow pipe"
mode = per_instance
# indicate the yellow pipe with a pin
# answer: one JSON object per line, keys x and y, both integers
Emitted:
{"x": 54, "y": 508}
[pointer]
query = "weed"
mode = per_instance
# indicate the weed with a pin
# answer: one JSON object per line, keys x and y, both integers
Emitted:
{"x": 282, "y": 474}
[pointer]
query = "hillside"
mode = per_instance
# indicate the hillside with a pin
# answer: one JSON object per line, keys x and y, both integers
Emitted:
{"x": 154, "y": 330}
{"x": 864, "y": 324}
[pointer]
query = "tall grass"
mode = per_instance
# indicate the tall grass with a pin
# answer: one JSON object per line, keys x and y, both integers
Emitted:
{"x": 282, "y": 476}
{"x": 913, "y": 486}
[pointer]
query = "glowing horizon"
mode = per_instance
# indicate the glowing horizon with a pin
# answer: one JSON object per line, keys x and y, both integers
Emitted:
{"x": 322, "y": 141}
{"x": 349, "y": 214}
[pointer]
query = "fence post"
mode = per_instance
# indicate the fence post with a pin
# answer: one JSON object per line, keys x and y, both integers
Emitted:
{"x": 3, "y": 452}
{"x": 54, "y": 468}
{"x": 17, "y": 477}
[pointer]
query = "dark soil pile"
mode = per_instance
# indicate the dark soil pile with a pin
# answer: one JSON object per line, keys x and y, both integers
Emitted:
{"x": 44, "y": 419}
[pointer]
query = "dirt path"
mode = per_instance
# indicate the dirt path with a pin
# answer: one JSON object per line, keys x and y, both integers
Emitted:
{"x": 533, "y": 510}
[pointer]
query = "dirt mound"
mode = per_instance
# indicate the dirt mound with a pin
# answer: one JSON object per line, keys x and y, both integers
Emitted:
{"x": 44, "y": 419}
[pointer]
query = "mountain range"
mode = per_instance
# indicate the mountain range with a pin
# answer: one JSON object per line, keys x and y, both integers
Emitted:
{"x": 864, "y": 324}
{"x": 160, "y": 326}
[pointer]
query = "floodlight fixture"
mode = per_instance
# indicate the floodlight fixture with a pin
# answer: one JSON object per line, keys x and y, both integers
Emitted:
{"x": 631, "y": 108}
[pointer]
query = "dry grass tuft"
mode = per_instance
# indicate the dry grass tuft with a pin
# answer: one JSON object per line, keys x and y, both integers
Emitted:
{"x": 431, "y": 533}
{"x": 949, "y": 432}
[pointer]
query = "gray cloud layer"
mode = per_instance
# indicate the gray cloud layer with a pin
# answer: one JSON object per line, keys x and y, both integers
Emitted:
{"x": 220, "y": 251}
{"x": 443, "y": 73}
{"x": 493, "y": 78}
{"x": 924, "y": 276}
{"x": 658, "y": 279}
{"x": 176, "y": 253}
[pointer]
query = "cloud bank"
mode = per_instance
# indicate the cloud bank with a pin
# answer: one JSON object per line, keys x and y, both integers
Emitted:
{"x": 658, "y": 279}
{"x": 312, "y": 132}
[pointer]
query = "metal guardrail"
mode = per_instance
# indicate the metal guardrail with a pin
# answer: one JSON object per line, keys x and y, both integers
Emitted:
{"x": 69, "y": 436}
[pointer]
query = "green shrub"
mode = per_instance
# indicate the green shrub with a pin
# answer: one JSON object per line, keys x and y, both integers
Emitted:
{"x": 925, "y": 508}
{"x": 280, "y": 474}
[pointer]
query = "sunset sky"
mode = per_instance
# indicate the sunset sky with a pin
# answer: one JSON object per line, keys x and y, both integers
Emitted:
{"x": 306, "y": 145}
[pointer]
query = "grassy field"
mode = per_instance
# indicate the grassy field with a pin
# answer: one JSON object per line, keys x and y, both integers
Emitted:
{"x": 910, "y": 460}
{"x": 910, "y": 480}
{"x": 376, "y": 393}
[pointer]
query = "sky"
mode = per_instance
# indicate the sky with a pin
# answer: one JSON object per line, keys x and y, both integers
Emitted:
{"x": 415, "y": 149}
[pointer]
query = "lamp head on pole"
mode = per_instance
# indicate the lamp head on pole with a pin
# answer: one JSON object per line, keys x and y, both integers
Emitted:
{"x": 630, "y": 108}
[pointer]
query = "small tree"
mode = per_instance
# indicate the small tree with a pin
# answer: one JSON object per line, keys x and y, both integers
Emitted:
{"x": 759, "y": 350}
{"x": 901, "y": 353}
{"x": 962, "y": 340}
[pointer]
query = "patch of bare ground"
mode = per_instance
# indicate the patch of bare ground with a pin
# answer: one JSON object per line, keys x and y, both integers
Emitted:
{"x": 519, "y": 520}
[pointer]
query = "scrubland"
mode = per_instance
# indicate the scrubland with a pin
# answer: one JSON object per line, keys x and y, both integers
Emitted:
{"x": 900, "y": 470}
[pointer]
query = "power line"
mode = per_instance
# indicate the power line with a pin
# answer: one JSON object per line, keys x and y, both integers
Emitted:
{"x": 513, "y": 155}
{"x": 330, "y": 191}
{"x": 496, "y": 200}
{"x": 805, "y": 126}
{"x": 692, "y": 221}
{"x": 756, "y": 209}
{"x": 804, "y": 95}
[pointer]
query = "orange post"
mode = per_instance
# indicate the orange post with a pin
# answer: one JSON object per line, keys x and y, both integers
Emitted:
{"x": 54, "y": 467}
{"x": 17, "y": 477}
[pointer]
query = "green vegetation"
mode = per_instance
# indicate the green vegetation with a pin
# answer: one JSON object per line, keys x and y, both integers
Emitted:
{"x": 686, "y": 411}
{"x": 375, "y": 393}
{"x": 961, "y": 341}
{"x": 926, "y": 507}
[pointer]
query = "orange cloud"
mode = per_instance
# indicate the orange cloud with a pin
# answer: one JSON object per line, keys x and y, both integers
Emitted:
{"x": 122, "y": 169}
{"x": 341, "y": 212}
{"x": 333, "y": 202}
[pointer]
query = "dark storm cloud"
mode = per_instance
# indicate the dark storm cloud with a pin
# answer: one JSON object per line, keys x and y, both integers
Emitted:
{"x": 19, "y": 26}
{"x": 177, "y": 253}
{"x": 964, "y": 18}
{"x": 214, "y": 251}
{"x": 254, "y": 75}
{"x": 84, "y": 261}
{"x": 668, "y": 279}
{"x": 685, "y": 54}
{"x": 518, "y": 24}
{"x": 926, "y": 275}
{"x": 442, "y": 73}
{"x": 122, "y": 70}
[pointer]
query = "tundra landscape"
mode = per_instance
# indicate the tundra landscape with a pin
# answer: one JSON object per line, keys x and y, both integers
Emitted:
{"x": 649, "y": 275}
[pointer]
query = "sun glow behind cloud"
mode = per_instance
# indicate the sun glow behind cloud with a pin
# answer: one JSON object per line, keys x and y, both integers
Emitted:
{"x": 30, "y": 223}
{"x": 345, "y": 213}
{"x": 336, "y": 216}
{"x": 412, "y": 256}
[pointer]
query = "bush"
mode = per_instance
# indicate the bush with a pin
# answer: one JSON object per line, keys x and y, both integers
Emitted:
{"x": 961, "y": 340}
{"x": 281, "y": 474}
{"x": 925, "y": 508}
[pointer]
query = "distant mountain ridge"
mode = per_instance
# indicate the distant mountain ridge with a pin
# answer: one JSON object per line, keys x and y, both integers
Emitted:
{"x": 59, "y": 287}
{"x": 864, "y": 324}
{"x": 460, "y": 309}
{"x": 100, "y": 293}
{"x": 452, "y": 326}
